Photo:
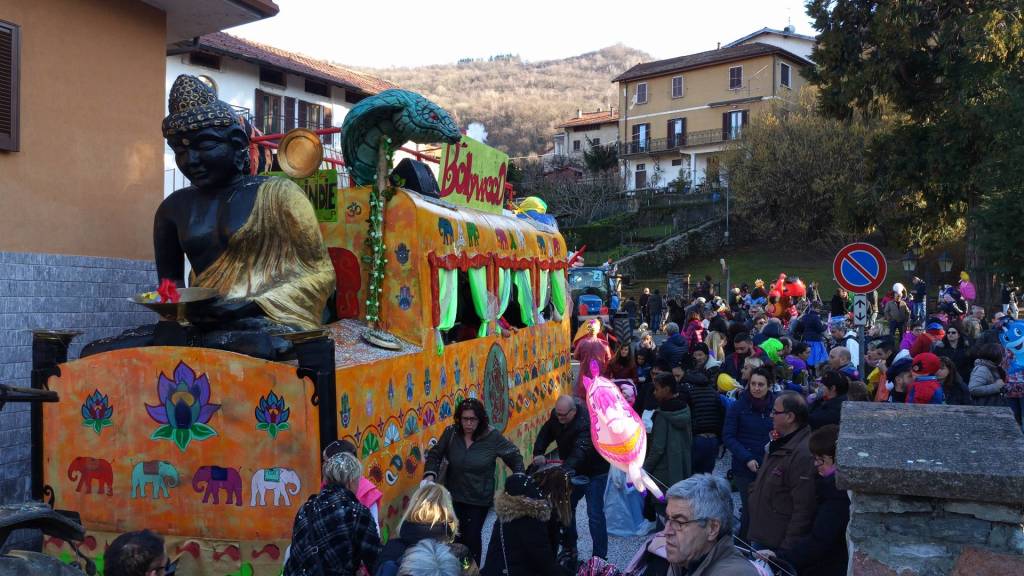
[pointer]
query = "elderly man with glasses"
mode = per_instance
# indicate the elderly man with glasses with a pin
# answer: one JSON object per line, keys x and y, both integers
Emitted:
{"x": 569, "y": 428}
{"x": 698, "y": 530}
{"x": 138, "y": 553}
{"x": 782, "y": 497}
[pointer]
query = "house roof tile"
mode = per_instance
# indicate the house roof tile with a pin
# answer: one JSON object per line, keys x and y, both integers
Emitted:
{"x": 588, "y": 118}
{"x": 702, "y": 59}
{"x": 226, "y": 44}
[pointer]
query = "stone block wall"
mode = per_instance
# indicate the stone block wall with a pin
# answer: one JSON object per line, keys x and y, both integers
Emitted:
{"x": 924, "y": 536}
{"x": 950, "y": 504}
{"x": 55, "y": 291}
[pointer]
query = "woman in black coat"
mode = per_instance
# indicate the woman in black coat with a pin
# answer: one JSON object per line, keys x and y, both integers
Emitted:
{"x": 519, "y": 541}
{"x": 955, "y": 346}
{"x": 954, "y": 389}
{"x": 822, "y": 552}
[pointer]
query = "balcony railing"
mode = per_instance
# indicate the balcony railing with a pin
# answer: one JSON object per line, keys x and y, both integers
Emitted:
{"x": 674, "y": 143}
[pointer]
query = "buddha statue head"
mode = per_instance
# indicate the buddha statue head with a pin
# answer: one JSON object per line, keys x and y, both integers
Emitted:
{"x": 211, "y": 147}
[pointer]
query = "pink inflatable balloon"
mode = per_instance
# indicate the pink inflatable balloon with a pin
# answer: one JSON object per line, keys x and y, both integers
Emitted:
{"x": 618, "y": 432}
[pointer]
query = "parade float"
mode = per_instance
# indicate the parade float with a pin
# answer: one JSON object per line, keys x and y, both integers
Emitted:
{"x": 208, "y": 427}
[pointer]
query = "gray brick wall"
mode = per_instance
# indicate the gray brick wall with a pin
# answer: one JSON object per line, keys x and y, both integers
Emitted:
{"x": 56, "y": 291}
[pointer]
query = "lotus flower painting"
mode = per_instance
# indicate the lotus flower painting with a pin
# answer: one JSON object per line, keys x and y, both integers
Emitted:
{"x": 97, "y": 411}
{"x": 272, "y": 414}
{"x": 184, "y": 407}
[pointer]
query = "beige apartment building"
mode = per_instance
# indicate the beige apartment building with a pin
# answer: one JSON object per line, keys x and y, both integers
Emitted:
{"x": 678, "y": 114}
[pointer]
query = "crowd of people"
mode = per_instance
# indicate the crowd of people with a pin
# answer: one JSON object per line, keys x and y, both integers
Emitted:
{"x": 761, "y": 379}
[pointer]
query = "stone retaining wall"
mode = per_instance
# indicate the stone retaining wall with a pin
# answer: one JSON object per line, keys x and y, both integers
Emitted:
{"x": 934, "y": 490}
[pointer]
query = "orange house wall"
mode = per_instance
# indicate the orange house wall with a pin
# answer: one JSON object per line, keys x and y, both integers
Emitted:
{"x": 88, "y": 176}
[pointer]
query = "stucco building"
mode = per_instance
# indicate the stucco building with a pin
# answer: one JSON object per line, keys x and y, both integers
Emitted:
{"x": 678, "y": 114}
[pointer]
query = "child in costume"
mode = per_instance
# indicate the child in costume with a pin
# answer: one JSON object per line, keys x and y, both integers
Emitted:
{"x": 926, "y": 388}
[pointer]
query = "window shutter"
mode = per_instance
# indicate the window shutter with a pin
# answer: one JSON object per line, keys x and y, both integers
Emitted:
{"x": 289, "y": 113}
{"x": 683, "y": 135}
{"x": 10, "y": 44}
{"x": 725, "y": 126}
{"x": 259, "y": 112}
{"x": 303, "y": 120}
{"x": 671, "y": 132}
{"x": 326, "y": 138}
{"x": 746, "y": 115}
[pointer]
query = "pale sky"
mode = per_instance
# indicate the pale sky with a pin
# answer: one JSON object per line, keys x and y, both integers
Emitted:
{"x": 380, "y": 34}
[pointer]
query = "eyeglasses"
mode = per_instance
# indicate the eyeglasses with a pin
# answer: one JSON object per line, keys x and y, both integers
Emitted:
{"x": 951, "y": 332}
{"x": 470, "y": 419}
{"x": 820, "y": 460}
{"x": 677, "y": 525}
{"x": 563, "y": 414}
{"x": 779, "y": 412}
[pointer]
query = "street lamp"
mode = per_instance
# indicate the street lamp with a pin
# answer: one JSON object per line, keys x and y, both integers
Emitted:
{"x": 945, "y": 262}
{"x": 909, "y": 262}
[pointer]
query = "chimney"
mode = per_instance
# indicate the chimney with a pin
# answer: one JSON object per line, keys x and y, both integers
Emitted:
{"x": 598, "y": 108}
{"x": 579, "y": 113}
{"x": 719, "y": 47}
{"x": 612, "y": 110}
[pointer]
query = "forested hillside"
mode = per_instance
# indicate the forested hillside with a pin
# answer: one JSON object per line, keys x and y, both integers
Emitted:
{"x": 518, "y": 102}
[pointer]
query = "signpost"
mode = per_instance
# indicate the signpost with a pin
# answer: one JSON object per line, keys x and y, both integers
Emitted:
{"x": 860, "y": 268}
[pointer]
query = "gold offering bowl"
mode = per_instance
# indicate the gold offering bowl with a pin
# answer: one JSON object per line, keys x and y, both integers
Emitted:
{"x": 190, "y": 299}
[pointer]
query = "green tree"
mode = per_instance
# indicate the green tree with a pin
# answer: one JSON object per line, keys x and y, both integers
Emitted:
{"x": 797, "y": 175}
{"x": 953, "y": 73}
{"x": 600, "y": 158}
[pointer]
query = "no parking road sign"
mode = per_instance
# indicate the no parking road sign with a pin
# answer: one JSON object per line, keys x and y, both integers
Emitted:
{"x": 859, "y": 267}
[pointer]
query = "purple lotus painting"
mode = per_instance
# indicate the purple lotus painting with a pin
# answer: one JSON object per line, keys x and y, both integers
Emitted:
{"x": 184, "y": 409}
{"x": 272, "y": 414}
{"x": 97, "y": 411}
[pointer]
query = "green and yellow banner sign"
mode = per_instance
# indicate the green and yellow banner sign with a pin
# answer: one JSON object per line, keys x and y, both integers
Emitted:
{"x": 322, "y": 190}
{"x": 473, "y": 174}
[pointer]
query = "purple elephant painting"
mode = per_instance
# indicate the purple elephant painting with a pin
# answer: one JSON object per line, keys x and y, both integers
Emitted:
{"x": 217, "y": 478}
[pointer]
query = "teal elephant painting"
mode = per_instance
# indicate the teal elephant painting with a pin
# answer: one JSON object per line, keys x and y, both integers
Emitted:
{"x": 159, "y": 474}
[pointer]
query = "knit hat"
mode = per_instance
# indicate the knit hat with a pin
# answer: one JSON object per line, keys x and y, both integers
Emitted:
{"x": 965, "y": 276}
{"x": 726, "y": 383}
{"x": 520, "y": 484}
{"x": 901, "y": 366}
{"x": 837, "y": 322}
{"x": 926, "y": 364}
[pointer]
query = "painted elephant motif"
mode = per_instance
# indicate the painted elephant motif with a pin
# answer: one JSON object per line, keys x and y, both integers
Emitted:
{"x": 84, "y": 470}
{"x": 512, "y": 239}
{"x": 215, "y": 479}
{"x": 276, "y": 479}
{"x": 444, "y": 227}
{"x": 472, "y": 234}
{"x": 153, "y": 472}
{"x": 521, "y": 237}
{"x": 502, "y": 239}
{"x": 540, "y": 242}
{"x": 557, "y": 245}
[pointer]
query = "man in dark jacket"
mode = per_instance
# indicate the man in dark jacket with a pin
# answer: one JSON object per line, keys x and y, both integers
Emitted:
{"x": 828, "y": 408}
{"x": 707, "y": 415}
{"x": 675, "y": 349}
{"x": 569, "y": 428}
{"x": 782, "y": 498}
{"x": 744, "y": 348}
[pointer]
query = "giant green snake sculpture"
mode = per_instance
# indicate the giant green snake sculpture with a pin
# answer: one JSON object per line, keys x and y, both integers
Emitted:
{"x": 397, "y": 114}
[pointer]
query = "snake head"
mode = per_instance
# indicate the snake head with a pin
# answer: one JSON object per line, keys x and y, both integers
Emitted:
{"x": 428, "y": 123}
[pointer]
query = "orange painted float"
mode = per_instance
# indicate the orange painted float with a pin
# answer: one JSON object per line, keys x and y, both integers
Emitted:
{"x": 217, "y": 450}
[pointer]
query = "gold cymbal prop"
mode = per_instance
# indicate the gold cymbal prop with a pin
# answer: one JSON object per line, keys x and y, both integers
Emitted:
{"x": 300, "y": 153}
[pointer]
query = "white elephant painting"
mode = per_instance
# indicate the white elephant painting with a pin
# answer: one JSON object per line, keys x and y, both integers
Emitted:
{"x": 277, "y": 480}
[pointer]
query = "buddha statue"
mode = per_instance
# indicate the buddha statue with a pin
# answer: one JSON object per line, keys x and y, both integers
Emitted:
{"x": 253, "y": 239}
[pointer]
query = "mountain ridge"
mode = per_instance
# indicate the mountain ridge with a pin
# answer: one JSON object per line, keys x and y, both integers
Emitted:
{"x": 519, "y": 102}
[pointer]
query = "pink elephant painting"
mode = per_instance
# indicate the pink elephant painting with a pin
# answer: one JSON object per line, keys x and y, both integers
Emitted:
{"x": 502, "y": 238}
{"x": 217, "y": 478}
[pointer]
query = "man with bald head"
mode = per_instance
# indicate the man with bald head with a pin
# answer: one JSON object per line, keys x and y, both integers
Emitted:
{"x": 569, "y": 428}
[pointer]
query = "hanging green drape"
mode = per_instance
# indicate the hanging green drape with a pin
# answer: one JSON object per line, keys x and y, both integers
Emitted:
{"x": 558, "y": 293}
{"x": 448, "y": 296}
{"x": 544, "y": 293}
{"x": 504, "y": 290}
{"x": 524, "y": 292}
{"x": 478, "y": 289}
